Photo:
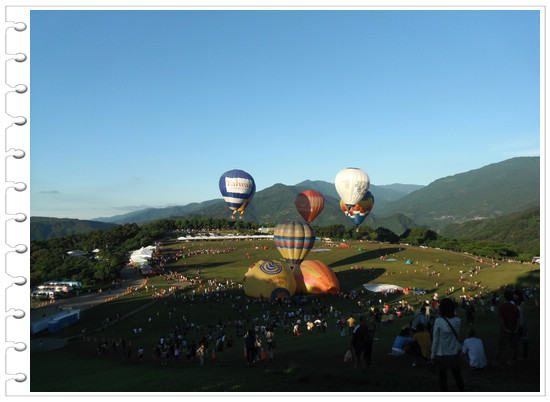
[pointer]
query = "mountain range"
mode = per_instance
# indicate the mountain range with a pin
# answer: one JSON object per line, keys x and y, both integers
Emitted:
{"x": 492, "y": 191}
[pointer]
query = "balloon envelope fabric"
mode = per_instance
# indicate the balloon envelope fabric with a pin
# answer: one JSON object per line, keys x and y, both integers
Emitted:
{"x": 269, "y": 278}
{"x": 352, "y": 184}
{"x": 237, "y": 188}
{"x": 294, "y": 240}
{"x": 309, "y": 204}
{"x": 314, "y": 276}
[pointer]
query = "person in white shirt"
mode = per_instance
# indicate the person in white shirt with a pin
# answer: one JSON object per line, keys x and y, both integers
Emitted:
{"x": 473, "y": 348}
{"x": 446, "y": 347}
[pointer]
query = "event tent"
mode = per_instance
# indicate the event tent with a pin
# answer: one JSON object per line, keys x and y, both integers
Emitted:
{"x": 142, "y": 256}
{"x": 382, "y": 287}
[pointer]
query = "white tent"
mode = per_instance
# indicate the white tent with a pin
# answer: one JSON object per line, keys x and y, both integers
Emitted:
{"x": 142, "y": 256}
{"x": 381, "y": 287}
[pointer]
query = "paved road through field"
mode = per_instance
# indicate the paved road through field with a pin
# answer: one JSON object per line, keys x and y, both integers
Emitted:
{"x": 130, "y": 278}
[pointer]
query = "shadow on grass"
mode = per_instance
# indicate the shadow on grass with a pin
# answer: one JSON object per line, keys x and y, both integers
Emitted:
{"x": 204, "y": 265}
{"x": 529, "y": 279}
{"x": 367, "y": 255}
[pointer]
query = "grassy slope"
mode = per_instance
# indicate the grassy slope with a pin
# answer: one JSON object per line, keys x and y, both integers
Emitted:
{"x": 310, "y": 363}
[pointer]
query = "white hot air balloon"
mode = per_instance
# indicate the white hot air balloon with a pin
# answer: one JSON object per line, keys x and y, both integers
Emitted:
{"x": 352, "y": 184}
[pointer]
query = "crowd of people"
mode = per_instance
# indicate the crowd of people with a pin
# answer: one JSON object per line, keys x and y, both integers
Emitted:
{"x": 432, "y": 335}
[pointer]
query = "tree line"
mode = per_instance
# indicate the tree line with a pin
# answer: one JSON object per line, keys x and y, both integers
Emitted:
{"x": 49, "y": 259}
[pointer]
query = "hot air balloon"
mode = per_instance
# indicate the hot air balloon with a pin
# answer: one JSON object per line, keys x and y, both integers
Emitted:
{"x": 313, "y": 276}
{"x": 309, "y": 204}
{"x": 237, "y": 188}
{"x": 359, "y": 211}
{"x": 269, "y": 278}
{"x": 294, "y": 240}
{"x": 351, "y": 184}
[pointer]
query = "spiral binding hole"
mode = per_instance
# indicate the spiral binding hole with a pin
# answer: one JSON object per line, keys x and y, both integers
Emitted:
{"x": 20, "y": 26}
{"x": 20, "y": 186}
{"x": 21, "y": 280}
{"x": 20, "y": 346}
{"x": 20, "y": 120}
{"x": 21, "y": 88}
{"x": 22, "y": 377}
{"x": 20, "y": 57}
{"x": 18, "y": 314}
{"x": 20, "y": 217}
{"x": 18, "y": 153}
{"x": 20, "y": 249}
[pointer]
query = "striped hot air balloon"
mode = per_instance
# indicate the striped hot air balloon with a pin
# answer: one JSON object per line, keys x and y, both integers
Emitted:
{"x": 294, "y": 240}
{"x": 313, "y": 276}
{"x": 309, "y": 204}
{"x": 237, "y": 188}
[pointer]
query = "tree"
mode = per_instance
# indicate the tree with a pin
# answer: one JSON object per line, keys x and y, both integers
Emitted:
{"x": 385, "y": 235}
{"x": 418, "y": 236}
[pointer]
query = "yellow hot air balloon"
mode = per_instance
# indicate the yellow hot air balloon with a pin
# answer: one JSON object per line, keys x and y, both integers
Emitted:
{"x": 313, "y": 276}
{"x": 269, "y": 278}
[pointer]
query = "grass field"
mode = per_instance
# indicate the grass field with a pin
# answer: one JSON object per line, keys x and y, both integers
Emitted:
{"x": 312, "y": 362}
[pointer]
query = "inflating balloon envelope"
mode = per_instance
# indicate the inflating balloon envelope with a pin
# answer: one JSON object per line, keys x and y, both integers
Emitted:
{"x": 316, "y": 277}
{"x": 294, "y": 240}
{"x": 269, "y": 278}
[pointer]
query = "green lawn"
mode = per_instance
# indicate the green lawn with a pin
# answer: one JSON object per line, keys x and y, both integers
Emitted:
{"x": 312, "y": 362}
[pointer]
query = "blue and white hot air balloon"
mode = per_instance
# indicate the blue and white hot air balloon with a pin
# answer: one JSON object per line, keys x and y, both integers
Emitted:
{"x": 237, "y": 188}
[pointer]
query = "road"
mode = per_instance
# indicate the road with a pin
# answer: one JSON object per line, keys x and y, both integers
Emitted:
{"x": 130, "y": 278}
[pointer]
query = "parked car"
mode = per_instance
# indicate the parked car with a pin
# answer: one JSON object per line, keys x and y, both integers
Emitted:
{"x": 418, "y": 291}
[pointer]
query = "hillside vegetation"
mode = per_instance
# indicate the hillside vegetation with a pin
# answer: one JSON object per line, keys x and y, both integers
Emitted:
{"x": 491, "y": 191}
{"x": 43, "y": 228}
{"x": 522, "y": 229}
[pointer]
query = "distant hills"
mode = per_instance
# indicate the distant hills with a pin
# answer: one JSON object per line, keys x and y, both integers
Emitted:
{"x": 521, "y": 229}
{"x": 276, "y": 204}
{"x": 490, "y": 192}
{"x": 43, "y": 228}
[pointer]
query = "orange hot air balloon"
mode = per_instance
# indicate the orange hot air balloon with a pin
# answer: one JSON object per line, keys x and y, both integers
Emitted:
{"x": 309, "y": 204}
{"x": 313, "y": 276}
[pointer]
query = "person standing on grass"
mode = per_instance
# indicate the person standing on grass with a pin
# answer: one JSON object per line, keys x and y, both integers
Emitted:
{"x": 369, "y": 340}
{"x": 250, "y": 344}
{"x": 523, "y": 334}
{"x": 509, "y": 316}
{"x": 358, "y": 342}
{"x": 270, "y": 342}
{"x": 201, "y": 353}
{"x": 446, "y": 347}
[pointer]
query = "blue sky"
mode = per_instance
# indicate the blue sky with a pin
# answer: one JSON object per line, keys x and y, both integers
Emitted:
{"x": 131, "y": 109}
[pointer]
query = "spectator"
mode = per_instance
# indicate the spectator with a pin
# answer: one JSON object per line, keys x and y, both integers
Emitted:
{"x": 399, "y": 346}
{"x": 446, "y": 346}
{"x": 422, "y": 344}
{"x": 473, "y": 349}
{"x": 509, "y": 316}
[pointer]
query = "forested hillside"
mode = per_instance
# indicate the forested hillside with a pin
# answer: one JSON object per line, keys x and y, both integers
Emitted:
{"x": 43, "y": 228}
{"x": 522, "y": 229}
